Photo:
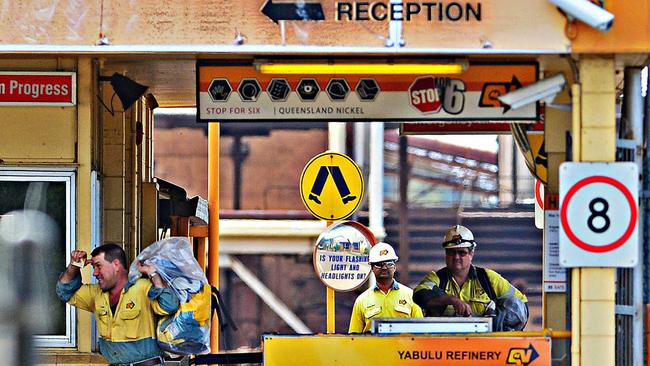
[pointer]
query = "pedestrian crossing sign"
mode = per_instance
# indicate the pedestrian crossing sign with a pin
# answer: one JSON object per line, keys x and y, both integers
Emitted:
{"x": 331, "y": 186}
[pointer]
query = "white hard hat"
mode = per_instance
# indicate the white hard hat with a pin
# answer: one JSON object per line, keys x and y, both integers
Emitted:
{"x": 459, "y": 236}
{"x": 382, "y": 252}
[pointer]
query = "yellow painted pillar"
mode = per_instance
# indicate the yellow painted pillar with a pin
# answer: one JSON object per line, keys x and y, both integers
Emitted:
{"x": 85, "y": 122}
{"x": 213, "y": 225}
{"x": 594, "y": 298}
{"x": 331, "y": 311}
{"x": 331, "y": 303}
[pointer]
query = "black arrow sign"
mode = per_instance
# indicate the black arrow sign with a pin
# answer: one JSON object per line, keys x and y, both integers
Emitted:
{"x": 293, "y": 11}
{"x": 491, "y": 91}
{"x": 512, "y": 86}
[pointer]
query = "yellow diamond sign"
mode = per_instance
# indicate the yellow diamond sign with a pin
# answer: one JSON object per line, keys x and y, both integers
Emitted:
{"x": 331, "y": 186}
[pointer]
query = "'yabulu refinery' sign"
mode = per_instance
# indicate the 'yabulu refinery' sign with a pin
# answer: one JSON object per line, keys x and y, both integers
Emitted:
{"x": 405, "y": 350}
{"x": 241, "y": 93}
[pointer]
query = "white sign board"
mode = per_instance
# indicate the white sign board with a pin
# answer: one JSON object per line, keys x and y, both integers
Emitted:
{"x": 539, "y": 204}
{"x": 599, "y": 214}
{"x": 232, "y": 91}
{"x": 554, "y": 275}
{"x": 341, "y": 255}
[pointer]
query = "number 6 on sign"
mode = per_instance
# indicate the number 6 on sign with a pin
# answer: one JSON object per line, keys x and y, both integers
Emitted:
{"x": 598, "y": 214}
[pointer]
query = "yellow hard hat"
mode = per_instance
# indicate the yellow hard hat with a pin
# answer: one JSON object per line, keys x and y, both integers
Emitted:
{"x": 382, "y": 252}
{"x": 459, "y": 236}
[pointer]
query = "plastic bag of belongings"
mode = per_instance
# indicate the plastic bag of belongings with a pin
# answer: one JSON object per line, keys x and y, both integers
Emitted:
{"x": 188, "y": 330}
{"x": 512, "y": 314}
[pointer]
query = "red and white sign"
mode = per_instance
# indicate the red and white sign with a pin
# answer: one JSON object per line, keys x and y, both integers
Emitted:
{"x": 599, "y": 214}
{"x": 465, "y": 127}
{"x": 539, "y": 204}
{"x": 38, "y": 88}
{"x": 425, "y": 94}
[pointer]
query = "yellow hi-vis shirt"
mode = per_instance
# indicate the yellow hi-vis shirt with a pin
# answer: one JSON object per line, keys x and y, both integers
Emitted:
{"x": 471, "y": 292}
{"x": 374, "y": 303}
{"x": 129, "y": 334}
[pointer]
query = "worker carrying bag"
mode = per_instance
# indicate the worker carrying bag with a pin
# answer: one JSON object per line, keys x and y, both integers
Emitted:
{"x": 187, "y": 331}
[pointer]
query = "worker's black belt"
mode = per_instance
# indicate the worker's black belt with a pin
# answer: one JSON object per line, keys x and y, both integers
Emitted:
{"x": 148, "y": 362}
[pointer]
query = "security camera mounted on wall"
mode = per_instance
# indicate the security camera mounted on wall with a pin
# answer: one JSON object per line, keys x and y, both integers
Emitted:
{"x": 587, "y": 12}
{"x": 541, "y": 90}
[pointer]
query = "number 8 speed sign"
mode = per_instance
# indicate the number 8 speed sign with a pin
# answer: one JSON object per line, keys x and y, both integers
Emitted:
{"x": 599, "y": 214}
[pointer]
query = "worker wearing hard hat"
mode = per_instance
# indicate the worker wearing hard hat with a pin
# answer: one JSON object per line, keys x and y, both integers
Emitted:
{"x": 462, "y": 289}
{"x": 388, "y": 298}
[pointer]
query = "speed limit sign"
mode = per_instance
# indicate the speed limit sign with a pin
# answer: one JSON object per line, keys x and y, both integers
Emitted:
{"x": 599, "y": 212}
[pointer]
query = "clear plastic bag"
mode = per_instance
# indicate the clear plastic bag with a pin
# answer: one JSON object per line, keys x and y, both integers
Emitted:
{"x": 512, "y": 314}
{"x": 188, "y": 330}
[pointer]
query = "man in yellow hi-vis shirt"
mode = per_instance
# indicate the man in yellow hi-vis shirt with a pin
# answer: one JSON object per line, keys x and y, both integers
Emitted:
{"x": 124, "y": 314}
{"x": 462, "y": 289}
{"x": 388, "y": 299}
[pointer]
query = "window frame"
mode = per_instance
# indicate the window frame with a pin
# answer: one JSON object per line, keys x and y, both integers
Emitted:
{"x": 68, "y": 176}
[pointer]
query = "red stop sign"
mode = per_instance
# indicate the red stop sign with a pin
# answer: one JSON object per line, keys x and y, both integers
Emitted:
{"x": 424, "y": 95}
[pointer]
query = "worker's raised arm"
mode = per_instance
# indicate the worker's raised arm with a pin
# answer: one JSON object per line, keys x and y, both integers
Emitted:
{"x": 78, "y": 259}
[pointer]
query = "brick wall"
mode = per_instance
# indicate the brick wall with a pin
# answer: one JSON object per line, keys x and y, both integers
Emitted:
{"x": 270, "y": 173}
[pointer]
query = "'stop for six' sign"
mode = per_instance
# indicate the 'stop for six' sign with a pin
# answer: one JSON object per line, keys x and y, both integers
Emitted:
{"x": 227, "y": 92}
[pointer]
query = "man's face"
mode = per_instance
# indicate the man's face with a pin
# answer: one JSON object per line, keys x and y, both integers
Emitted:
{"x": 104, "y": 271}
{"x": 458, "y": 259}
{"x": 384, "y": 271}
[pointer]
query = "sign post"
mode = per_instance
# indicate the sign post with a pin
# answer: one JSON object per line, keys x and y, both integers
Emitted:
{"x": 599, "y": 214}
{"x": 331, "y": 187}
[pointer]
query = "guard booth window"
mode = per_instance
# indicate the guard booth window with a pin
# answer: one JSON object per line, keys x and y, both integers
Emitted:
{"x": 51, "y": 191}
